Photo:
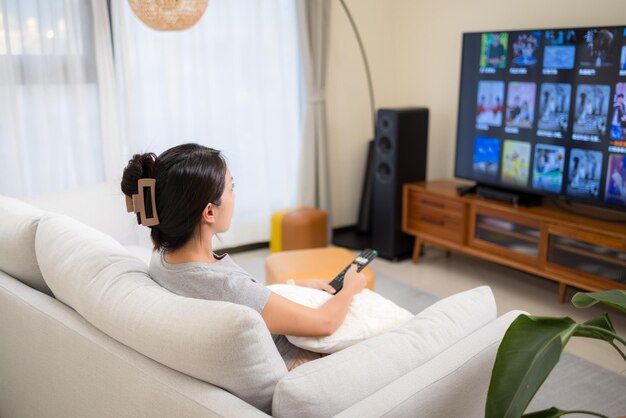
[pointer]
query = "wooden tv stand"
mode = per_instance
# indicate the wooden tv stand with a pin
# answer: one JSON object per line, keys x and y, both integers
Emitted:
{"x": 545, "y": 240}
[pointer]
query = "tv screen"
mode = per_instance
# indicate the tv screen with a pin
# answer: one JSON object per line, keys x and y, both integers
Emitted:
{"x": 543, "y": 111}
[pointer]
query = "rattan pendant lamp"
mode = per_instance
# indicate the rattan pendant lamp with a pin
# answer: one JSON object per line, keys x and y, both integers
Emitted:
{"x": 169, "y": 14}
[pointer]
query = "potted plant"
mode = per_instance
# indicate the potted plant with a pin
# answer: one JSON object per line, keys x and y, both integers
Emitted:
{"x": 532, "y": 346}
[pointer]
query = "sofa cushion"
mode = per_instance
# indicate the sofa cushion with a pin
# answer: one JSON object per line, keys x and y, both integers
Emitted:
{"x": 18, "y": 225}
{"x": 220, "y": 343}
{"x": 311, "y": 389}
{"x": 370, "y": 314}
{"x": 452, "y": 384}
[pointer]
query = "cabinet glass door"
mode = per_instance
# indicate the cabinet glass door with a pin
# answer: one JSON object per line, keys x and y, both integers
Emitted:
{"x": 586, "y": 257}
{"x": 509, "y": 235}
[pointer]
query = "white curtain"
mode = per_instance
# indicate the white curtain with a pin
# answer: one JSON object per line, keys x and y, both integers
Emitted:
{"x": 231, "y": 82}
{"x": 50, "y": 124}
{"x": 314, "y": 25}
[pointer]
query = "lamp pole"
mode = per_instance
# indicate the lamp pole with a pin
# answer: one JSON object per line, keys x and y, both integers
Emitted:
{"x": 367, "y": 67}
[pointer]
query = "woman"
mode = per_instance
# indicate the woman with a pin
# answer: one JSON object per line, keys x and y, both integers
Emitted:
{"x": 194, "y": 200}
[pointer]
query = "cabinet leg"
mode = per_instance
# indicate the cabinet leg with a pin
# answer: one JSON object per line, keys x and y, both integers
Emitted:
{"x": 562, "y": 292}
{"x": 417, "y": 248}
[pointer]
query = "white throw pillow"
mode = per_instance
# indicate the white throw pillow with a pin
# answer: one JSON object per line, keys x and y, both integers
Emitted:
{"x": 18, "y": 226}
{"x": 369, "y": 315}
{"x": 141, "y": 252}
{"x": 221, "y": 343}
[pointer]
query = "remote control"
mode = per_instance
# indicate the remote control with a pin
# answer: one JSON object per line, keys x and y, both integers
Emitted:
{"x": 362, "y": 260}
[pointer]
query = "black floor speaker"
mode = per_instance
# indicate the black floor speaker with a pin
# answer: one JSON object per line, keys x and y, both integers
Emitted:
{"x": 400, "y": 149}
{"x": 364, "y": 224}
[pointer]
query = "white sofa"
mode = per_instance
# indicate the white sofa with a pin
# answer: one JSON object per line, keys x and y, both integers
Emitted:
{"x": 85, "y": 332}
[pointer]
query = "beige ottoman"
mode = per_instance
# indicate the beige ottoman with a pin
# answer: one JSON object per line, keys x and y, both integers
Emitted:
{"x": 314, "y": 263}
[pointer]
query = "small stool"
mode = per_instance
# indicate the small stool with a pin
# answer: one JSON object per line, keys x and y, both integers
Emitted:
{"x": 298, "y": 228}
{"x": 315, "y": 263}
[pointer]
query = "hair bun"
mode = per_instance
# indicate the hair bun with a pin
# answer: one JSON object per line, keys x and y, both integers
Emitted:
{"x": 139, "y": 167}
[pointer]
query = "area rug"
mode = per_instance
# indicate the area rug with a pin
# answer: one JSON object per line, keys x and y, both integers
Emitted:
{"x": 577, "y": 384}
{"x": 408, "y": 297}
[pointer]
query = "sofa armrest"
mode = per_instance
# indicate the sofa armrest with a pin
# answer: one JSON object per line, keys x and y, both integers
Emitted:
{"x": 454, "y": 383}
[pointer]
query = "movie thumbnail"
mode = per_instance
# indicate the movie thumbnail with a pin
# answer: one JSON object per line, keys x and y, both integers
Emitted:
{"x": 598, "y": 49}
{"x": 515, "y": 162}
{"x": 520, "y": 104}
{"x": 524, "y": 48}
{"x": 618, "y": 113}
{"x": 493, "y": 50}
{"x": 554, "y": 103}
{"x": 548, "y": 167}
{"x": 489, "y": 103}
{"x": 486, "y": 157}
{"x": 592, "y": 107}
{"x": 583, "y": 177}
{"x": 616, "y": 179}
{"x": 560, "y": 49}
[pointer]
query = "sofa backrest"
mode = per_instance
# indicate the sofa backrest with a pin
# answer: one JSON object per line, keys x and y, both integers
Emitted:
{"x": 221, "y": 343}
{"x": 18, "y": 226}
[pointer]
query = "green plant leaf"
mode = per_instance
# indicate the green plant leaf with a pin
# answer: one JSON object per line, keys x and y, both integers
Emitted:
{"x": 529, "y": 350}
{"x": 601, "y": 321}
{"x": 546, "y": 413}
{"x": 614, "y": 298}
{"x": 556, "y": 413}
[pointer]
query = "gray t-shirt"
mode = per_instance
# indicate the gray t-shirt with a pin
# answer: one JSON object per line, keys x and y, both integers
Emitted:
{"x": 222, "y": 280}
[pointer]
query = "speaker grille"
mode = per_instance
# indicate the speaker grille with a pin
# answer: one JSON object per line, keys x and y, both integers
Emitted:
{"x": 385, "y": 146}
{"x": 383, "y": 173}
{"x": 385, "y": 122}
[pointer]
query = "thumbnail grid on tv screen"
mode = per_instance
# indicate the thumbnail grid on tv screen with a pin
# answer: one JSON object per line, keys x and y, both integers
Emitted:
{"x": 543, "y": 111}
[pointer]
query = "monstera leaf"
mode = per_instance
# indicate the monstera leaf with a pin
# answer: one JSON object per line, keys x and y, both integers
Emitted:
{"x": 532, "y": 346}
{"x": 546, "y": 413}
{"x": 529, "y": 350}
{"x": 613, "y": 298}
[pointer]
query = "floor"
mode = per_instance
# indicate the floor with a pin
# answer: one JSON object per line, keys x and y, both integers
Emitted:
{"x": 443, "y": 276}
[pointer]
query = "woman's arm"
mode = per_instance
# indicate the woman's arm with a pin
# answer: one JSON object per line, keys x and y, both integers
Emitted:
{"x": 316, "y": 284}
{"x": 283, "y": 316}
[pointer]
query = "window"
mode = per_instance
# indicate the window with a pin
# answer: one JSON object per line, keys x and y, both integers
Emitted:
{"x": 49, "y": 111}
{"x": 231, "y": 82}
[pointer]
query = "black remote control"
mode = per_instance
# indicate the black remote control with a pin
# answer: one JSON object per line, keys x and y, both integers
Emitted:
{"x": 362, "y": 260}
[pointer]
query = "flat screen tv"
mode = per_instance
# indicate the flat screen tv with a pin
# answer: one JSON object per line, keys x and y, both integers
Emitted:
{"x": 543, "y": 111}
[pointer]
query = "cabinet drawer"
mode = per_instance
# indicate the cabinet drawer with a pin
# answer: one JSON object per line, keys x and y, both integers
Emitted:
{"x": 442, "y": 227}
{"x": 419, "y": 202}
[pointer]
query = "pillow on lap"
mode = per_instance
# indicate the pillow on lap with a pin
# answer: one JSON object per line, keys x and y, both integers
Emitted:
{"x": 370, "y": 314}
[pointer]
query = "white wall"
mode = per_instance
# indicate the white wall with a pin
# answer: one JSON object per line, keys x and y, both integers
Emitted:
{"x": 350, "y": 125}
{"x": 414, "y": 48}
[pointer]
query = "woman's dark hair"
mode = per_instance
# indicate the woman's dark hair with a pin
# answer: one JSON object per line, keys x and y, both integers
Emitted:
{"x": 188, "y": 178}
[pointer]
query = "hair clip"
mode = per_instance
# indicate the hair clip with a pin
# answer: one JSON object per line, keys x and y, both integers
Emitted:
{"x": 137, "y": 203}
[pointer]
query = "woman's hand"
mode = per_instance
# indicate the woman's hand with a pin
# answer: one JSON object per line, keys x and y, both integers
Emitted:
{"x": 316, "y": 284}
{"x": 354, "y": 282}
